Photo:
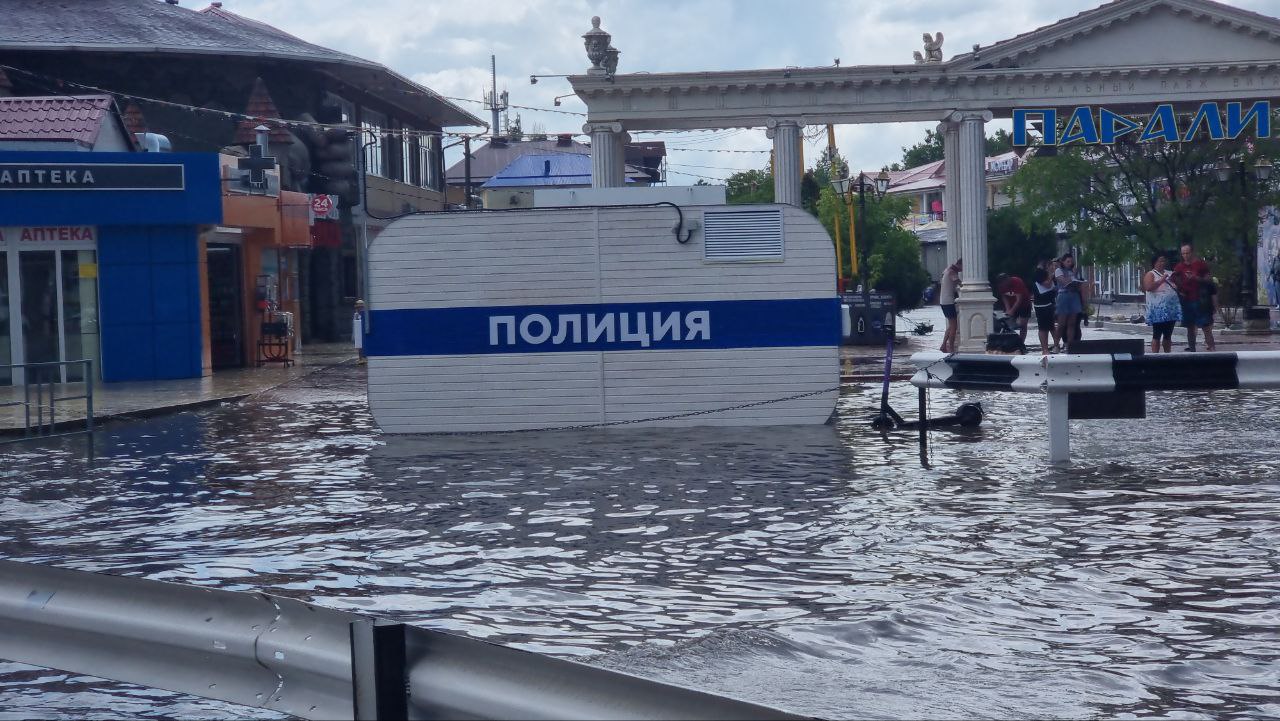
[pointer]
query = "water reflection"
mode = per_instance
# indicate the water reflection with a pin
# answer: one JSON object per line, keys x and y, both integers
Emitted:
{"x": 821, "y": 569}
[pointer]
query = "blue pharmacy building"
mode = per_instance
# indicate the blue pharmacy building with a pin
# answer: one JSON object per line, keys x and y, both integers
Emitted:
{"x": 100, "y": 260}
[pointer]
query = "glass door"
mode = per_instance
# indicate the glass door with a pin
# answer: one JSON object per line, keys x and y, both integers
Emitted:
{"x": 48, "y": 313}
{"x": 80, "y": 311}
{"x": 226, "y": 317}
{"x": 38, "y": 273}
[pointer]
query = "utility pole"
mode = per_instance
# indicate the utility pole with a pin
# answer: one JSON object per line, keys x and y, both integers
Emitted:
{"x": 836, "y": 174}
{"x": 466, "y": 169}
{"x": 496, "y": 103}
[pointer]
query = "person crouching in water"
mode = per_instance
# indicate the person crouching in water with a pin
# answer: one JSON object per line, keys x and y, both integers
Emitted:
{"x": 1069, "y": 303}
{"x": 1043, "y": 300}
{"x": 1016, "y": 298}
{"x": 947, "y": 299}
{"x": 1164, "y": 309}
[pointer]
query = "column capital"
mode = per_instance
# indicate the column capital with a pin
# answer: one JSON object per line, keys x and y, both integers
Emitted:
{"x": 946, "y": 124}
{"x": 775, "y": 122}
{"x": 961, "y": 116}
{"x": 772, "y": 125}
{"x": 602, "y": 127}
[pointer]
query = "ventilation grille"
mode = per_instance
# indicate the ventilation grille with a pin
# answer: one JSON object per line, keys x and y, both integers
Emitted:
{"x": 742, "y": 235}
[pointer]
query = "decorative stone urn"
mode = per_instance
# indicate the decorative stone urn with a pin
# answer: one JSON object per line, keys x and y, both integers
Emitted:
{"x": 597, "y": 43}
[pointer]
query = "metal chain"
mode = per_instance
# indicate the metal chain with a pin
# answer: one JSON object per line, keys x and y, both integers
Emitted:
{"x": 654, "y": 419}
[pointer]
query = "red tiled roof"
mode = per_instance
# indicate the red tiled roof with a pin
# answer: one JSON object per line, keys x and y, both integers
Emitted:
{"x": 261, "y": 107}
{"x": 77, "y": 118}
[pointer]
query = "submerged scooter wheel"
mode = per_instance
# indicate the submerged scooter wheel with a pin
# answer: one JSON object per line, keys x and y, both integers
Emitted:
{"x": 969, "y": 414}
{"x": 882, "y": 423}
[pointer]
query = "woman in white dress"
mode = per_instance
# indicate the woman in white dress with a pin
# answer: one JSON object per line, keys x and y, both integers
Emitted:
{"x": 1164, "y": 310}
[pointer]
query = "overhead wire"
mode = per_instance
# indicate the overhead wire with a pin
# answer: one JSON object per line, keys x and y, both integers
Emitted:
{"x": 518, "y": 107}
{"x": 385, "y": 132}
{"x": 241, "y": 117}
{"x": 53, "y": 83}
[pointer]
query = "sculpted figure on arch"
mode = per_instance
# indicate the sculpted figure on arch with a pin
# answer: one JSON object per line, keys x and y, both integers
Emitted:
{"x": 932, "y": 49}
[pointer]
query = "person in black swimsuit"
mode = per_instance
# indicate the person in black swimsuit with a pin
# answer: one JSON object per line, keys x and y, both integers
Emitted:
{"x": 1043, "y": 296}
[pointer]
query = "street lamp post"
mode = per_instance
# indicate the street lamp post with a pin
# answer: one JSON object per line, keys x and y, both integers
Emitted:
{"x": 1255, "y": 319}
{"x": 844, "y": 188}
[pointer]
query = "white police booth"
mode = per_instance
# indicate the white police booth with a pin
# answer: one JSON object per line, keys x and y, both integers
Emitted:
{"x": 653, "y": 312}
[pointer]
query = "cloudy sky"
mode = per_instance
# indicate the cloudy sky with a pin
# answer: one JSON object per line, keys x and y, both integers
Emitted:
{"x": 446, "y": 44}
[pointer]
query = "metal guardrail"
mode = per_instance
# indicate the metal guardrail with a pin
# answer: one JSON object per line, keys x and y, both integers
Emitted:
{"x": 307, "y": 661}
{"x": 1060, "y": 375}
{"x": 37, "y": 376}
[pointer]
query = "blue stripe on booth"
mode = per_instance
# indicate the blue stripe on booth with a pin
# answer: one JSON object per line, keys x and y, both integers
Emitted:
{"x": 732, "y": 323}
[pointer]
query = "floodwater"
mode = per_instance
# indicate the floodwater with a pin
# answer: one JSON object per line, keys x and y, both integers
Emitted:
{"x": 830, "y": 571}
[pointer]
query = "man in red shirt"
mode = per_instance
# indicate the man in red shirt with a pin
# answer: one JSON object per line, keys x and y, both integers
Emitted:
{"x": 1187, "y": 275}
{"x": 1017, "y": 301}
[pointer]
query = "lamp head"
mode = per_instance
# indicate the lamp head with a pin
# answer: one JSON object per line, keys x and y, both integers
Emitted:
{"x": 882, "y": 182}
{"x": 1223, "y": 169}
{"x": 1262, "y": 169}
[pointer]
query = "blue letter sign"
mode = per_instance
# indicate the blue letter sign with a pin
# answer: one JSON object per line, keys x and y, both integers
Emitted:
{"x": 1080, "y": 126}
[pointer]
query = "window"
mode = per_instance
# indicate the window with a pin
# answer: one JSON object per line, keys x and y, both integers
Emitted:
{"x": 343, "y": 110}
{"x": 413, "y": 160}
{"x": 1129, "y": 281}
{"x": 373, "y": 125}
{"x": 404, "y": 155}
{"x": 431, "y": 158}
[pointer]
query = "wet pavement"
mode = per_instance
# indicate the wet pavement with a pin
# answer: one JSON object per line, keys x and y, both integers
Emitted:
{"x": 833, "y": 571}
{"x": 111, "y": 400}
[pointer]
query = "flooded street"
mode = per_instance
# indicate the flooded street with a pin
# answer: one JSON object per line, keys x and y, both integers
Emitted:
{"x": 830, "y": 571}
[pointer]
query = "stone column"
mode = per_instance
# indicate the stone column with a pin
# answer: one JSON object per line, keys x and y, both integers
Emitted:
{"x": 608, "y": 154}
{"x": 950, "y": 133}
{"x": 787, "y": 172}
{"x": 974, "y": 304}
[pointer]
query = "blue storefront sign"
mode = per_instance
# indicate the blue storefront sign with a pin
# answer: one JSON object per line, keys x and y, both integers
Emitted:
{"x": 99, "y": 259}
{"x": 1089, "y": 126}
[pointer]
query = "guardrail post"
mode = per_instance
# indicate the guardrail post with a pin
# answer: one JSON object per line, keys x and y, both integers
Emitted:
{"x": 26, "y": 404}
{"x": 379, "y": 675}
{"x": 53, "y": 406}
{"x": 1059, "y": 428}
{"x": 88, "y": 396}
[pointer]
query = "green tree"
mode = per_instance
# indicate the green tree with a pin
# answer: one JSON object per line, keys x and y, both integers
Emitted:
{"x": 999, "y": 143}
{"x": 1014, "y": 248}
{"x": 923, "y": 153}
{"x": 1127, "y": 201}
{"x": 892, "y": 254}
{"x": 931, "y": 149}
{"x": 749, "y": 186}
